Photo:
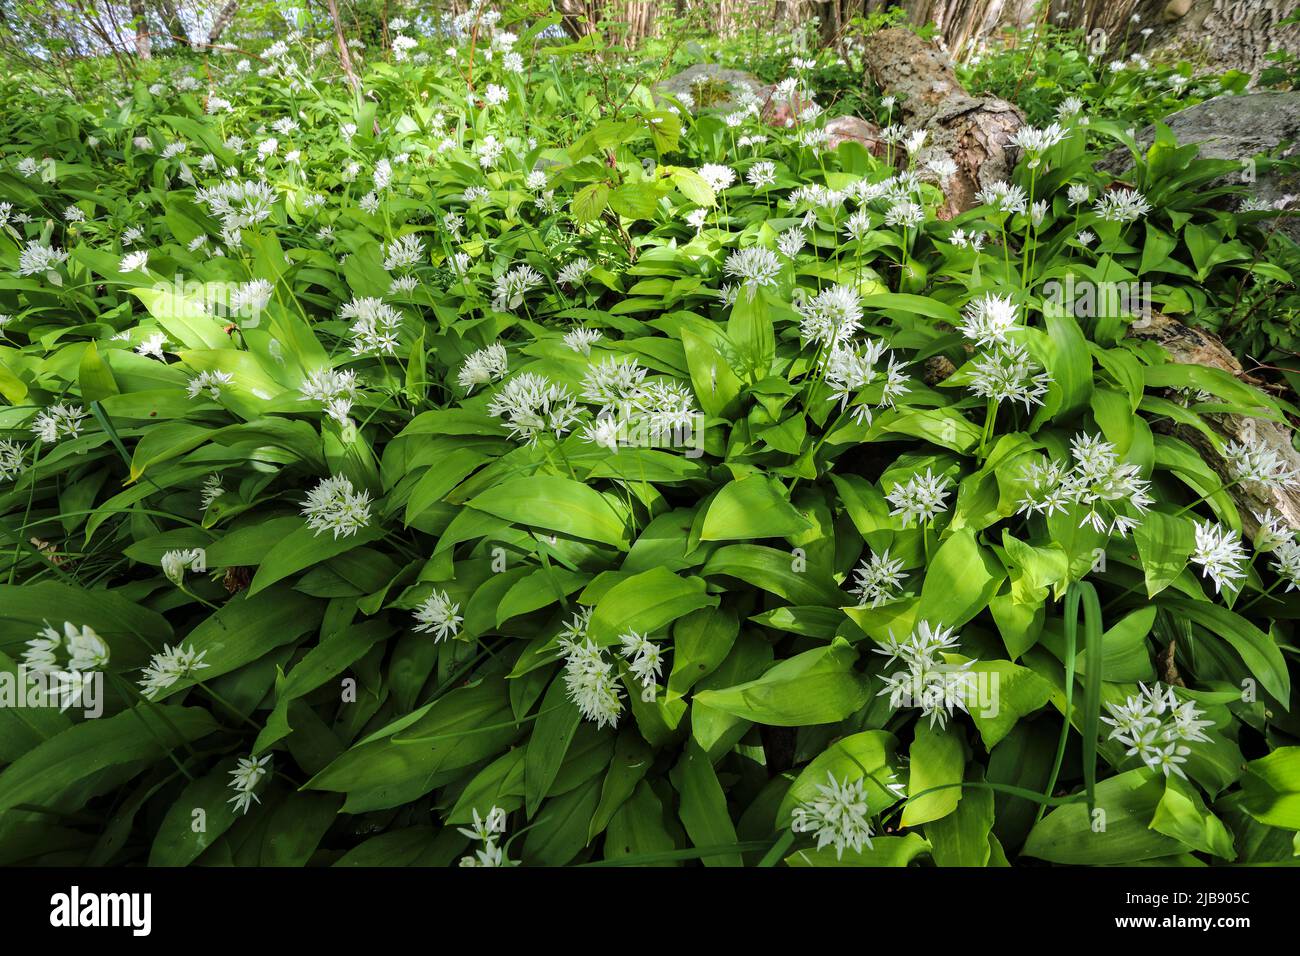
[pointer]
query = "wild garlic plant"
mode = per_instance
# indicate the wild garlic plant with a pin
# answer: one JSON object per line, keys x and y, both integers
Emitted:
{"x": 511, "y": 446}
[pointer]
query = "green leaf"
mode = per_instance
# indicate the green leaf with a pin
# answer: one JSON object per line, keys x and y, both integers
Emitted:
{"x": 629, "y": 765}
{"x": 245, "y": 629}
{"x": 815, "y": 687}
{"x": 1183, "y": 815}
{"x": 960, "y": 581}
{"x": 755, "y": 506}
{"x": 1070, "y": 365}
{"x": 1164, "y": 543}
{"x": 962, "y": 837}
{"x": 637, "y": 828}
{"x": 635, "y": 200}
{"x": 703, "y": 807}
{"x": 95, "y": 378}
{"x": 646, "y": 603}
{"x": 1258, "y": 651}
{"x": 589, "y": 202}
{"x": 884, "y": 851}
{"x": 555, "y": 504}
{"x": 206, "y": 801}
{"x": 774, "y": 571}
{"x": 937, "y": 761}
{"x": 868, "y": 755}
{"x": 1271, "y": 788}
{"x": 1118, "y": 832}
{"x": 556, "y": 724}
{"x": 144, "y": 733}
{"x": 185, "y": 319}
{"x": 1008, "y": 693}
{"x": 701, "y": 641}
{"x": 303, "y": 548}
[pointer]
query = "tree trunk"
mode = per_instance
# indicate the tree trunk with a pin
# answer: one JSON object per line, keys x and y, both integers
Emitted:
{"x": 570, "y": 12}
{"x": 345, "y": 57}
{"x": 1189, "y": 346}
{"x": 1230, "y": 34}
{"x": 223, "y": 20}
{"x": 974, "y": 131}
{"x": 141, "y": 20}
{"x": 829, "y": 12}
{"x": 172, "y": 22}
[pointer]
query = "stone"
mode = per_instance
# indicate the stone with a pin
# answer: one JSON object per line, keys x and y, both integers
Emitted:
{"x": 735, "y": 81}
{"x": 855, "y": 128}
{"x": 1237, "y": 128}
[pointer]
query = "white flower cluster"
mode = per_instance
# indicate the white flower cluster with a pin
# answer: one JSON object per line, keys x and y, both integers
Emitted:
{"x": 173, "y": 664}
{"x": 927, "y": 682}
{"x": 755, "y": 267}
{"x": 488, "y": 364}
{"x": 532, "y": 405}
{"x": 919, "y": 498}
{"x": 1154, "y": 726}
{"x": 58, "y": 421}
{"x": 1097, "y": 480}
{"x": 627, "y": 403}
{"x": 852, "y": 369}
{"x": 335, "y": 389}
{"x": 513, "y": 285}
{"x": 334, "y": 506}
{"x": 1221, "y": 554}
{"x": 85, "y": 652}
{"x": 438, "y": 614}
{"x": 878, "y": 578}
{"x": 1260, "y": 465}
{"x": 487, "y": 830}
{"x": 248, "y": 773}
{"x": 840, "y": 816}
{"x": 375, "y": 325}
{"x": 1005, "y": 371}
{"x": 645, "y": 661}
{"x": 12, "y": 459}
{"x": 175, "y": 563}
{"x": 589, "y": 678}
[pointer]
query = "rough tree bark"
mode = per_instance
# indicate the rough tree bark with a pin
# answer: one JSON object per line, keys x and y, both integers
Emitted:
{"x": 974, "y": 131}
{"x": 345, "y": 57}
{"x": 1190, "y": 346}
{"x": 139, "y": 17}
{"x": 172, "y": 22}
{"x": 571, "y": 12}
{"x": 223, "y": 19}
{"x": 1229, "y": 34}
{"x": 829, "y": 14}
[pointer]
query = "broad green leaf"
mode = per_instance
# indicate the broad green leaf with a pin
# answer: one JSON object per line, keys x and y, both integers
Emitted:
{"x": 553, "y": 731}
{"x": 937, "y": 764}
{"x": 867, "y": 756}
{"x": 755, "y": 506}
{"x": 1271, "y": 788}
{"x": 816, "y": 687}
{"x": 555, "y": 504}
{"x": 646, "y": 603}
{"x": 146, "y": 732}
{"x": 703, "y": 808}
{"x": 1118, "y": 832}
{"x": 959, "y": 582}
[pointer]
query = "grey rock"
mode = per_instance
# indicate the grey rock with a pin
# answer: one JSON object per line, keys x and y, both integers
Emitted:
{"x": 1236, "y": 128}
{"x": 736, "y": 81}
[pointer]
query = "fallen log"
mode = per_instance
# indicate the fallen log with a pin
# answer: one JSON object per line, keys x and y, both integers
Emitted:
{"x": 974, "y": 131}
{"x": 1190, "y": 346}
